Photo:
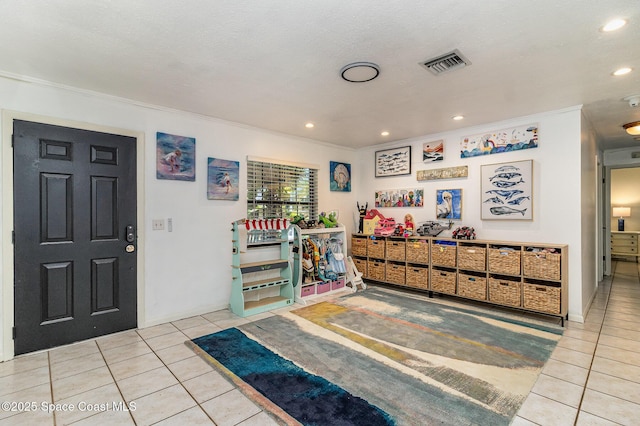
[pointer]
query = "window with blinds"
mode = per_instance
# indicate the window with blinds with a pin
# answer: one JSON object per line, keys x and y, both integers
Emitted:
{"x": 279, "y": 190}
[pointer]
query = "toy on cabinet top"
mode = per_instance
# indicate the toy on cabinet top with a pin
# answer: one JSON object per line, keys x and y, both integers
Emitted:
{"x": 464, "y": 233}
{"x": 408, "y": 225}
{"x": 385, "y": 227}
{"x": 371, "y": 220}
{"x": 329, "y": 221}
{"x": 362, "y": 212}
{"x": 432, "y": 228}
{"x": 299, "y": 220}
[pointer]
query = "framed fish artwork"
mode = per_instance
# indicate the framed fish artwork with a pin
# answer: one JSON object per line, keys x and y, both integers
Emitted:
{"x": 507, "y": 191}
{"x": 393, "y": 162}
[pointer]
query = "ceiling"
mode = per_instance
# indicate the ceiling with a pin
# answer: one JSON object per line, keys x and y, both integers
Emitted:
{"x": 276, "y": 64}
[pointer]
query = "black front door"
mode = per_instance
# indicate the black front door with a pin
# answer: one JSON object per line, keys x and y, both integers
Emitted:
{"x": 75, "y": 234}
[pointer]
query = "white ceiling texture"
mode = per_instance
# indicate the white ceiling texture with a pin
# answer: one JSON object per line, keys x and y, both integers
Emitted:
{"x": 275, "y": 64}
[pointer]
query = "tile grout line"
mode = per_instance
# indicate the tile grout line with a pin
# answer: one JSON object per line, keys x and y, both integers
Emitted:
{"x": 584, "y": 389}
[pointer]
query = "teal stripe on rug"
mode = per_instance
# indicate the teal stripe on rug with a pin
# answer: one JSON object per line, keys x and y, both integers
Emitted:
{"x": 310, "y": 399}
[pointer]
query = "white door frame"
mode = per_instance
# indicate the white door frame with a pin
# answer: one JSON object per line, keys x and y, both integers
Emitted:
{"x": 7, "y": 215}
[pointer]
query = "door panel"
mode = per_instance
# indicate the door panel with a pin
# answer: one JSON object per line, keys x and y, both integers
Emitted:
{"x": 74, "y": 196}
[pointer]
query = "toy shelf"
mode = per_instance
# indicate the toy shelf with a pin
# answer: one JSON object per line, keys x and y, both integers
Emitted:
{"x": 259, "y": 286}
{"x": 529, "y": 277}
{"x": 307, "y": 291}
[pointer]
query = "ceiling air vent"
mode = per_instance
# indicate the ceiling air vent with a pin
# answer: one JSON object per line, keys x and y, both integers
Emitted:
{"x": 449, "y": 62}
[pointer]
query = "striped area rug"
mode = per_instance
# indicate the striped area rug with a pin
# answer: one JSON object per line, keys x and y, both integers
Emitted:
{"x": 382, "y": 357}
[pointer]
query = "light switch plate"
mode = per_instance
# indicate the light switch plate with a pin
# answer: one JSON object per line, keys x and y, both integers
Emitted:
{"x": 157, "y": 224}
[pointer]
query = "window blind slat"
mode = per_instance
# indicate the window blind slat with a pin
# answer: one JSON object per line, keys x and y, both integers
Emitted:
{"x": 280, "y": 190}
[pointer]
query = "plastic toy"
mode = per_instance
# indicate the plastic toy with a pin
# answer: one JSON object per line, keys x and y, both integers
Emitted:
{"x": 385, "y": 227}
{"x": 408, "y": 224}
{"x": 464, "y": 233}
{"x": 362, "y": 211}
{"x": 329, "y": 221}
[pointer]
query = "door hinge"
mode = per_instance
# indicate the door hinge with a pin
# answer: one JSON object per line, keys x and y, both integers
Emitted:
{"x": 13, "y": 138}
{"x": 13, "y": 237}
{"x": 13, "y": 333}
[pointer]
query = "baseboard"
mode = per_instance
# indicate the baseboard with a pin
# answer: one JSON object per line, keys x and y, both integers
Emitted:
{"x": 183, "y": 315}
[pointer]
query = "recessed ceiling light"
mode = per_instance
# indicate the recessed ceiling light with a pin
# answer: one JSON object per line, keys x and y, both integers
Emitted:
{"x": 309, "y": 125}
{"x": 385, "y": 133}
{"x": 622, "y": 71}
{"x": 458, "y": 117}
{"x": 360, "y": 72}
{"x": 614, "y": 24}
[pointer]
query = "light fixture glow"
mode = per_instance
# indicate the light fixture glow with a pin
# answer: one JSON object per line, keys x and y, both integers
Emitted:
{"x": 385, "y": 133}
{"x": 458, "y": 117}
{"x": 632, "y": 128}
{"x": 622, "y": 211}
{"x": 614, "y": 24}
{"x": 309, "y": 125}
{"x": 622, "y": 71}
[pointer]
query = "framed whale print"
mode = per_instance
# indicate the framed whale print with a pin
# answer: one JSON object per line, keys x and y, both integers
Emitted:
{"x": 507, "y": 191}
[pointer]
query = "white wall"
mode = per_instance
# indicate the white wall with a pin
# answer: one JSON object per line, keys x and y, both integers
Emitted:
{"x": 625, "y": 192}
{"x": 590, "y": 230}
{"x": 557, "y": 187}
{"x": 187, "y": 271}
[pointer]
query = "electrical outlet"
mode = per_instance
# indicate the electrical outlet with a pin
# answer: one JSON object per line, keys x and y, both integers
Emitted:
{"x": 157, "y": 224}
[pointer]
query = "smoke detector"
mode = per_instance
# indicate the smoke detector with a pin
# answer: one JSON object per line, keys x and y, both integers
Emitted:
{"x": 634, "y": 100}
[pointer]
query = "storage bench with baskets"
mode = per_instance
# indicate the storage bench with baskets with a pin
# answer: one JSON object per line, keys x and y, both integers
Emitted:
{"x": 526, "y": 276}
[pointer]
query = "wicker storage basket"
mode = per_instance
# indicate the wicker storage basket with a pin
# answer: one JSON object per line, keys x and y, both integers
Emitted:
{"x": 542, "y": 298}
{"x": 375, "y": 248}
{"x": 472, "y": 257}
{"x": 376, "y": 270}
{"x": 443, "y": 281}
{"x": 395, "y": 273}
{"x": 418, "y": 277}
{"x": 472, "y": 286}
{"x": 541, "y": 265}
{"x": 505, "y": 291}
{"x": 359, "y": 246}
{"x": 395, "y": 250}
{"x": 504, "y": 261}
{"x": 417, "y": 251}
{"x": 443, "y": 254}
{"x": 361, "y": 264}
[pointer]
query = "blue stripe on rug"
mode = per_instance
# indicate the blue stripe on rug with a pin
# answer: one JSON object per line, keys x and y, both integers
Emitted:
{"x": 310, "y": 399}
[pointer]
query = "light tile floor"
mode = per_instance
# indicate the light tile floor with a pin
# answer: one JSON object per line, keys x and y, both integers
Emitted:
{"x": 148, "y": 376}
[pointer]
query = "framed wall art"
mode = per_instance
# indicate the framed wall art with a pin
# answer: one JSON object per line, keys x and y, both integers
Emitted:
{"x": 498, "y": 141}
{"x": 393, "y": 162}
{"x": 339, "y": 176}
{"x": 175, "y": 157}
{"x": 413, "y": 197}
{"x": 433, "y": 151}
{"x": 449, "y": 204}
{"x": 446, "y": 173}
{"x": 223, "y": 179}
{"x": 507, "y": 190}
